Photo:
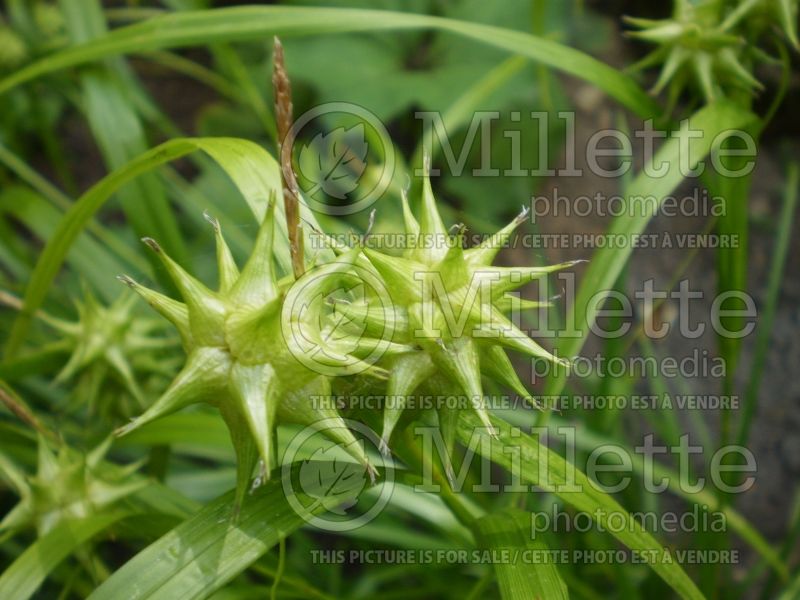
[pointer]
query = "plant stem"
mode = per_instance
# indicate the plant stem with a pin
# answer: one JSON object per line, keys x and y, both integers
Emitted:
{"x": 273, "y": 593}
{"x": 283, "y": 115}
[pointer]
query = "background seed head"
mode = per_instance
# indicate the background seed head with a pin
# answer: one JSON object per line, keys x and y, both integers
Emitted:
{"x": 67, "y": 485}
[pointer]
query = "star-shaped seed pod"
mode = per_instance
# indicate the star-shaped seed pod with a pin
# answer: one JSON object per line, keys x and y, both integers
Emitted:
{"x": 67, "y": 485}
{"x": 13, "y": 50}
{"x": 451, "y": 309}
{"x": 784, "y": 12}
{"x": 242, "y": 357}
{"x": 701, "y": 44}
{"x": 107, "y": 343}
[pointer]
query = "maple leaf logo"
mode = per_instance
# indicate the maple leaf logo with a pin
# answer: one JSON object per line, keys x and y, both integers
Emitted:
{"x": 334, "y": 162}
{"x": 334, "y": 483}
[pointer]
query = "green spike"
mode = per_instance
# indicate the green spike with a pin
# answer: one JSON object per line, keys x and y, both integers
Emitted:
{"x": 485, "y": 253}
{"x": 96, "y": 456}
{"x": 398, "y": 273}
{"x": 497, "y": 366}
{"x": 256, "y": 392}
{"x": 676, "y": 58}
{"x": 407, "y": 372}
{"x": 411, "y": 223}
{"x": 509, "y": 302}
{"x": 245, "y": 449}
{"x": 787, "y": 16}
{"x": 226, "y": 265}
{"x": 431, "y": 221}
{"x": 77, "y": 360}
{"x": 364, "y": 346}
{"x": 89, "y": 302}
{"x": 506, "y": 279}
{"x": 432, "y": 227}
{"x": 120, "y": 364}
{"x": 641, "y": 22}
{"x": 448, "y": 426}
{"x": 206, "y": 308}
{"x": 659, "y": 34}
{"x": 256, "y": 285}
{"x": 701, "y": 61}
{"x": 458, "y": 360}
{"x": 727, "y": 60}
{"x": 715, "y": 40}
{"x": 453, "y": 267}
{"x": 172, "y": 310}
{"x": 512, "y": 337}
{"x": 656, "y": 57}
{"x": 47, "y": 463}
{"x": 103, "y": 494}
{"x": 123, "y": 304}
{"x": 203, "y": 379}
{"x": 299, "y": 407}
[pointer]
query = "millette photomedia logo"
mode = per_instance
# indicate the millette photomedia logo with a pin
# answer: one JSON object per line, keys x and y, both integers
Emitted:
{"x": 323, "y": 483}
{"x": 342, "y": 156}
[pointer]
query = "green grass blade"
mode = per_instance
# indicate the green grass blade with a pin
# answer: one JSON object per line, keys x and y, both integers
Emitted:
{"x": 510, "y": 531}
{"x": 252, "y": 169}
{"x": 589, "y": 499}
{"x": 663, "y": 421}
{"x": 56, "y": 197}
{"x": 87, "y": 256}
{"x": 119, "y": 132}
{"x": 231, "y": 65}
{"x": 205, "y": 552}
{"x": 26, "y": 573}
{"x": 792, "y": 591}
{"x": 461, "y": 111}
{"x": 197, "y": 433}
{"x": 785, "y": 223}
{"x": 587, "y": 441}
{"x": 256, "y": 23}
{"x": 607, "y": 263}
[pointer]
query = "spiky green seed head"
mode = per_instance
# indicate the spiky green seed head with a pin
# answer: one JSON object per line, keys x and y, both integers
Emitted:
{"x": 247, "y": 345}
{"x": 701, "y": 46}
{"x": 48, "y": 18}
{"x": 110, "y": 350}
{"x": 450, "y": 313}
{"x": 260, "y": 348}
{"x": 67, "y": 485}
{"x": 13, "y": 50}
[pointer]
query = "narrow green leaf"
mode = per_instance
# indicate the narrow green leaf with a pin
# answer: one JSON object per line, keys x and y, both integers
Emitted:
{"x": 462, "y": 110}
{"x": 251, "y": 22}
{"x": 87, "y": 256}
{"x": 518, "y": 577}
{"x": 61, "y": 201}
{"x": 587, "y": 440}
{"x": 252, "y": 169}
{"x": 195, "y": 433}
{"x": 118, "y": 130}
{"x": 536, "y": 459}
{"x": 205, "y": 552}
{"x": 792, "y": 591}
{"x": 26, "y": 574}
{"x": 607, "y": 263}
{"x": 777, "y": 265}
